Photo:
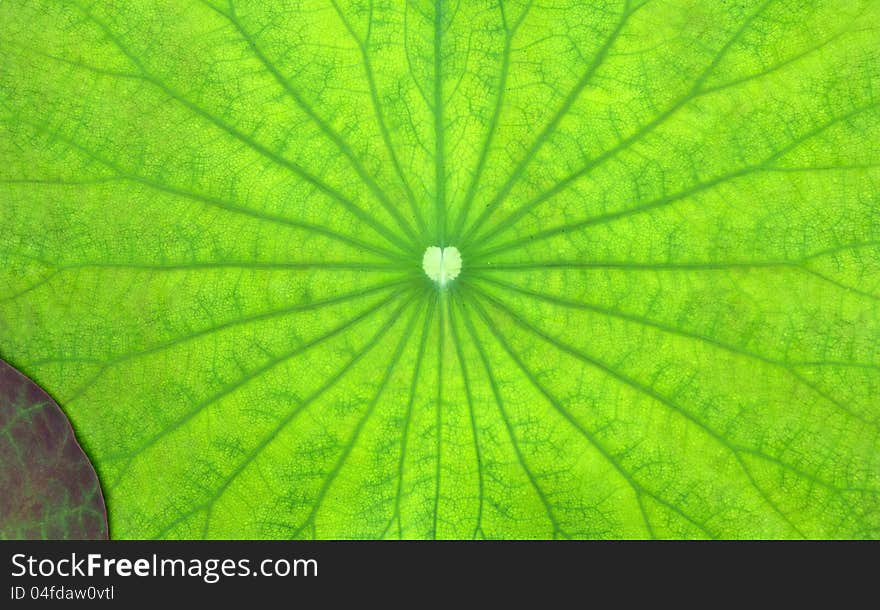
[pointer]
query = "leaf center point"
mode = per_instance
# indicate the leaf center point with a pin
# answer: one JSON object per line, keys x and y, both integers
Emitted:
{"x": 442, "y": 264}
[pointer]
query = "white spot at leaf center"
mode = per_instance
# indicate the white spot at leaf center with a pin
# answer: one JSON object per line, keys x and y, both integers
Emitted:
{"x": 442, "y": 264}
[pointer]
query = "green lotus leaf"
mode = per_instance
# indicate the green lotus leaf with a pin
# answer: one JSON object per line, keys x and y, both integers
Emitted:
{"x": 473, "y": 269}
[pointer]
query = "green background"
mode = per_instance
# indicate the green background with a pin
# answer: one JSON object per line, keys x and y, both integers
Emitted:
{"x": 212, "y": 219}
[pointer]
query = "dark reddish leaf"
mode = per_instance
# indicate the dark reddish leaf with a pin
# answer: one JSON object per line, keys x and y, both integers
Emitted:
{"x": 49, "y": 488}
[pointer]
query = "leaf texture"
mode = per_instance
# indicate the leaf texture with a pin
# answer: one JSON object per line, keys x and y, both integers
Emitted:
{"x": 666, "y": 325}
{"x": 50, "y": 490}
